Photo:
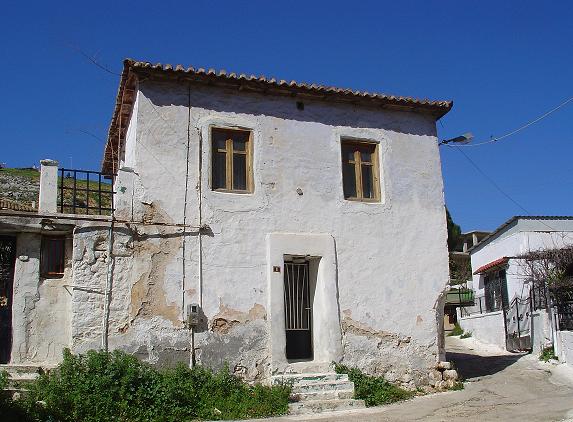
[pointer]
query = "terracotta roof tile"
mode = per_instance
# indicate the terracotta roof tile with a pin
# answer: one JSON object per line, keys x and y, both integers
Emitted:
{"x": 255, "y": 83}
{"x": 9, "y": 204}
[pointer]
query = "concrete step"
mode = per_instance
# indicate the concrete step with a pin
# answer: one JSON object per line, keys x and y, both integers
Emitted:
{"x": 323, "y": 386}
{"x": 19, "y": 369}
{"x": 19, "y": 376}
{"x": 22, "y": 378}
{"x": 309, "y": 378}
{"x": 324, "y": 395}
{"x": 318, "y": 406}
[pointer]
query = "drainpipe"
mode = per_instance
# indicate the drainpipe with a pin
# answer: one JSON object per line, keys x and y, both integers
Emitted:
{"x": 107, "y": 293}
{"x": 183, "y": 248}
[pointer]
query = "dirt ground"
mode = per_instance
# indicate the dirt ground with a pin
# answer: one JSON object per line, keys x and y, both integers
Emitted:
{"x": 499, "y": 386}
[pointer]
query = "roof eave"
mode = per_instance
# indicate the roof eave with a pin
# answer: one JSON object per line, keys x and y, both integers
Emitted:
{"x": 133, "y": 69}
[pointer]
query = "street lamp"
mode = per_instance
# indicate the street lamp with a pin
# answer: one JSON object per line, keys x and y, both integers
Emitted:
{"x": 462, "y": 139}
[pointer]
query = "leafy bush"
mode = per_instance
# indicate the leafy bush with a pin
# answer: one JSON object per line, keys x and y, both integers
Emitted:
{"x": 375, "y": 391}
{"x": 466, "y": 334}
{"x": 547, "y": 354}
{"x": 118, "y": 387}
{"x": 457, "y": 331}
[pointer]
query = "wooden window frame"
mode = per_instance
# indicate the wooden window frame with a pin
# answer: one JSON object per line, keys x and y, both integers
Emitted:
{"x": 46, "y": 240}
{"x": 229, "y": 154}
{"x": 374, "y": 163}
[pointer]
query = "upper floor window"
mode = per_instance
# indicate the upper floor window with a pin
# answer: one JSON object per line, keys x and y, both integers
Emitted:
{"x": 52, "y": 257}
{"x": 360, "y": 171}
{"x": 231, "y": 166}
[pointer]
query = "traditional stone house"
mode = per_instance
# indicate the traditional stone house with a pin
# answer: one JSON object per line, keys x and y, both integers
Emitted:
{"x": 296, "y": 224}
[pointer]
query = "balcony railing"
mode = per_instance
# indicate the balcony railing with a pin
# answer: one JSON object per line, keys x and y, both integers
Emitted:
{"x": 479, "y": 307}
{"x": 85, "y": 192}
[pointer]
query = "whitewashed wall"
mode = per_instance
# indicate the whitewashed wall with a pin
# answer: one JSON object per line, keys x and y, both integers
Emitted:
{"x": 487, "y": 328}
{"x": 522, "y": 237}
{"x": 41, "y": 310}
{"x": 391, "y": 257}
{"x": 565, "y": 339}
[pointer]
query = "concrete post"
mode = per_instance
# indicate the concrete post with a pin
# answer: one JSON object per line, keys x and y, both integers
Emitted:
{"x": 48, "y": 201}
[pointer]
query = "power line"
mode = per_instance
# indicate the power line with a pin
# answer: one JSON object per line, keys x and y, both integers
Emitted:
{"x": 488, "y": 178}
{"x": 93, "y": 60}
{"x": 519, "y": 129}
{"x": 484, "y": 174}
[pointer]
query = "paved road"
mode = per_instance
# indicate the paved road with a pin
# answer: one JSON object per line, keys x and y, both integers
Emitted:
{"x": 499, "y": 387}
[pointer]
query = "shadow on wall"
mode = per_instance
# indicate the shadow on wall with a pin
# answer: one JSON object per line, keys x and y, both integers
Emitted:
{"x": 474, "y": 366}
{"x": 328, "y": 113}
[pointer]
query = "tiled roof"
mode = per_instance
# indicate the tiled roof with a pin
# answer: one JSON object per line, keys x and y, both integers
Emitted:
{"x": 132, "y": 68}
{"x": 494, "y": 264}
{"x": 8, "y": 204}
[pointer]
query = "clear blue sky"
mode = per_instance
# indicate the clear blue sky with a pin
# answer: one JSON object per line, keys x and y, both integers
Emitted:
{"x": 502, "y": 62}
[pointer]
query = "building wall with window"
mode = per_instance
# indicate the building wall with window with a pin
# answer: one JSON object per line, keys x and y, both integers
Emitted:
{"x": 381, "y": 250}
{"x": 41, "y": 290}
{"x": 517, "y": 236}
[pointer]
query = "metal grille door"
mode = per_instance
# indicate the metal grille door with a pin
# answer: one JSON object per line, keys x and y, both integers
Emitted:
{"x": 298, "y": 310}
{"x": 7, "y": 260}
{"x": 518, "y": 324}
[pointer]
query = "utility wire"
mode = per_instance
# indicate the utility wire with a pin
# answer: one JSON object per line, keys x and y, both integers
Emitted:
{"x": 485, "y": 175}
{"x": 519, "y": 129}
{"x": 93, "y": 60}
{"x": 500, "y": 190}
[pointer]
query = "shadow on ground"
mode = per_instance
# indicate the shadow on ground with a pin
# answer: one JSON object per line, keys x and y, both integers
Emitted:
{"x": 475, "y": 366}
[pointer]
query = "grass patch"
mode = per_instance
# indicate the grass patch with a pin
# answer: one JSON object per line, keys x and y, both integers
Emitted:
{"x": 375, "y": 391}
{"x": 457, "y": 331}
{"x": 548, "y": 354}
{"x": 29, "y": 173}
{"x": 116, "y": 386}
{"x": 467, "y": 334}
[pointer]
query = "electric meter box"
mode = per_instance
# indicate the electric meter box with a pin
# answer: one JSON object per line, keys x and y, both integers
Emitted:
{"x": 193, "y": 314}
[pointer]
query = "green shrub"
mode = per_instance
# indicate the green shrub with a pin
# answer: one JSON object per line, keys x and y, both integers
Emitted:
{"x": 457, "y": 331}
{"x": 467, "y": 334}
{"x": 116, "y": 386}
{"x": 375, "y": 391}
{"x": 547, "y": 354}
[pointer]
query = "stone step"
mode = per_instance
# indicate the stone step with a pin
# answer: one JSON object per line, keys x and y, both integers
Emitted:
{"x": 324, "y": 395}
{"x": 323, "y": 386}
{"x": 309, "y": 378}
{"x": 22, "y": 377}
{"x": 318, "y": 406}
{"x": 19, "y": 369}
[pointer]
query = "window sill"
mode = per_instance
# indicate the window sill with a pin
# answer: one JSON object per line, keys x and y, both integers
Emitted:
{"x": 367, "y": 201}
{"x": 52, "y": 276}
{"x": 239, "y": 192}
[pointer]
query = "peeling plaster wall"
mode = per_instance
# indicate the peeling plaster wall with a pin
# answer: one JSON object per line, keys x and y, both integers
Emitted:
{"x": 41, "y": 308}
{"x": 391, "y": 257}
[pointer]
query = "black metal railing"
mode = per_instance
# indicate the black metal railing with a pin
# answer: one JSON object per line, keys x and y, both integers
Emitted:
{"x": 85, "y": 192}
{"x": 480, "y": 306}
{"x": 563, "y": 305}
{"x": 539, "y": 295}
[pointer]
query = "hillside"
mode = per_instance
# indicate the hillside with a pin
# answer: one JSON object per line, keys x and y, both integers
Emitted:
{"x": 23, "y": 186}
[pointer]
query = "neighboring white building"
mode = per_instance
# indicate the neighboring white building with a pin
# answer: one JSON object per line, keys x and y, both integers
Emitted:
{"x": 502, "y": 289}
{"x": 304, "y": 224}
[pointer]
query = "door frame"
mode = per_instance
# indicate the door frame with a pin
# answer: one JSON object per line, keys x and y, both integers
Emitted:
{"x": 327, "y": 334}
